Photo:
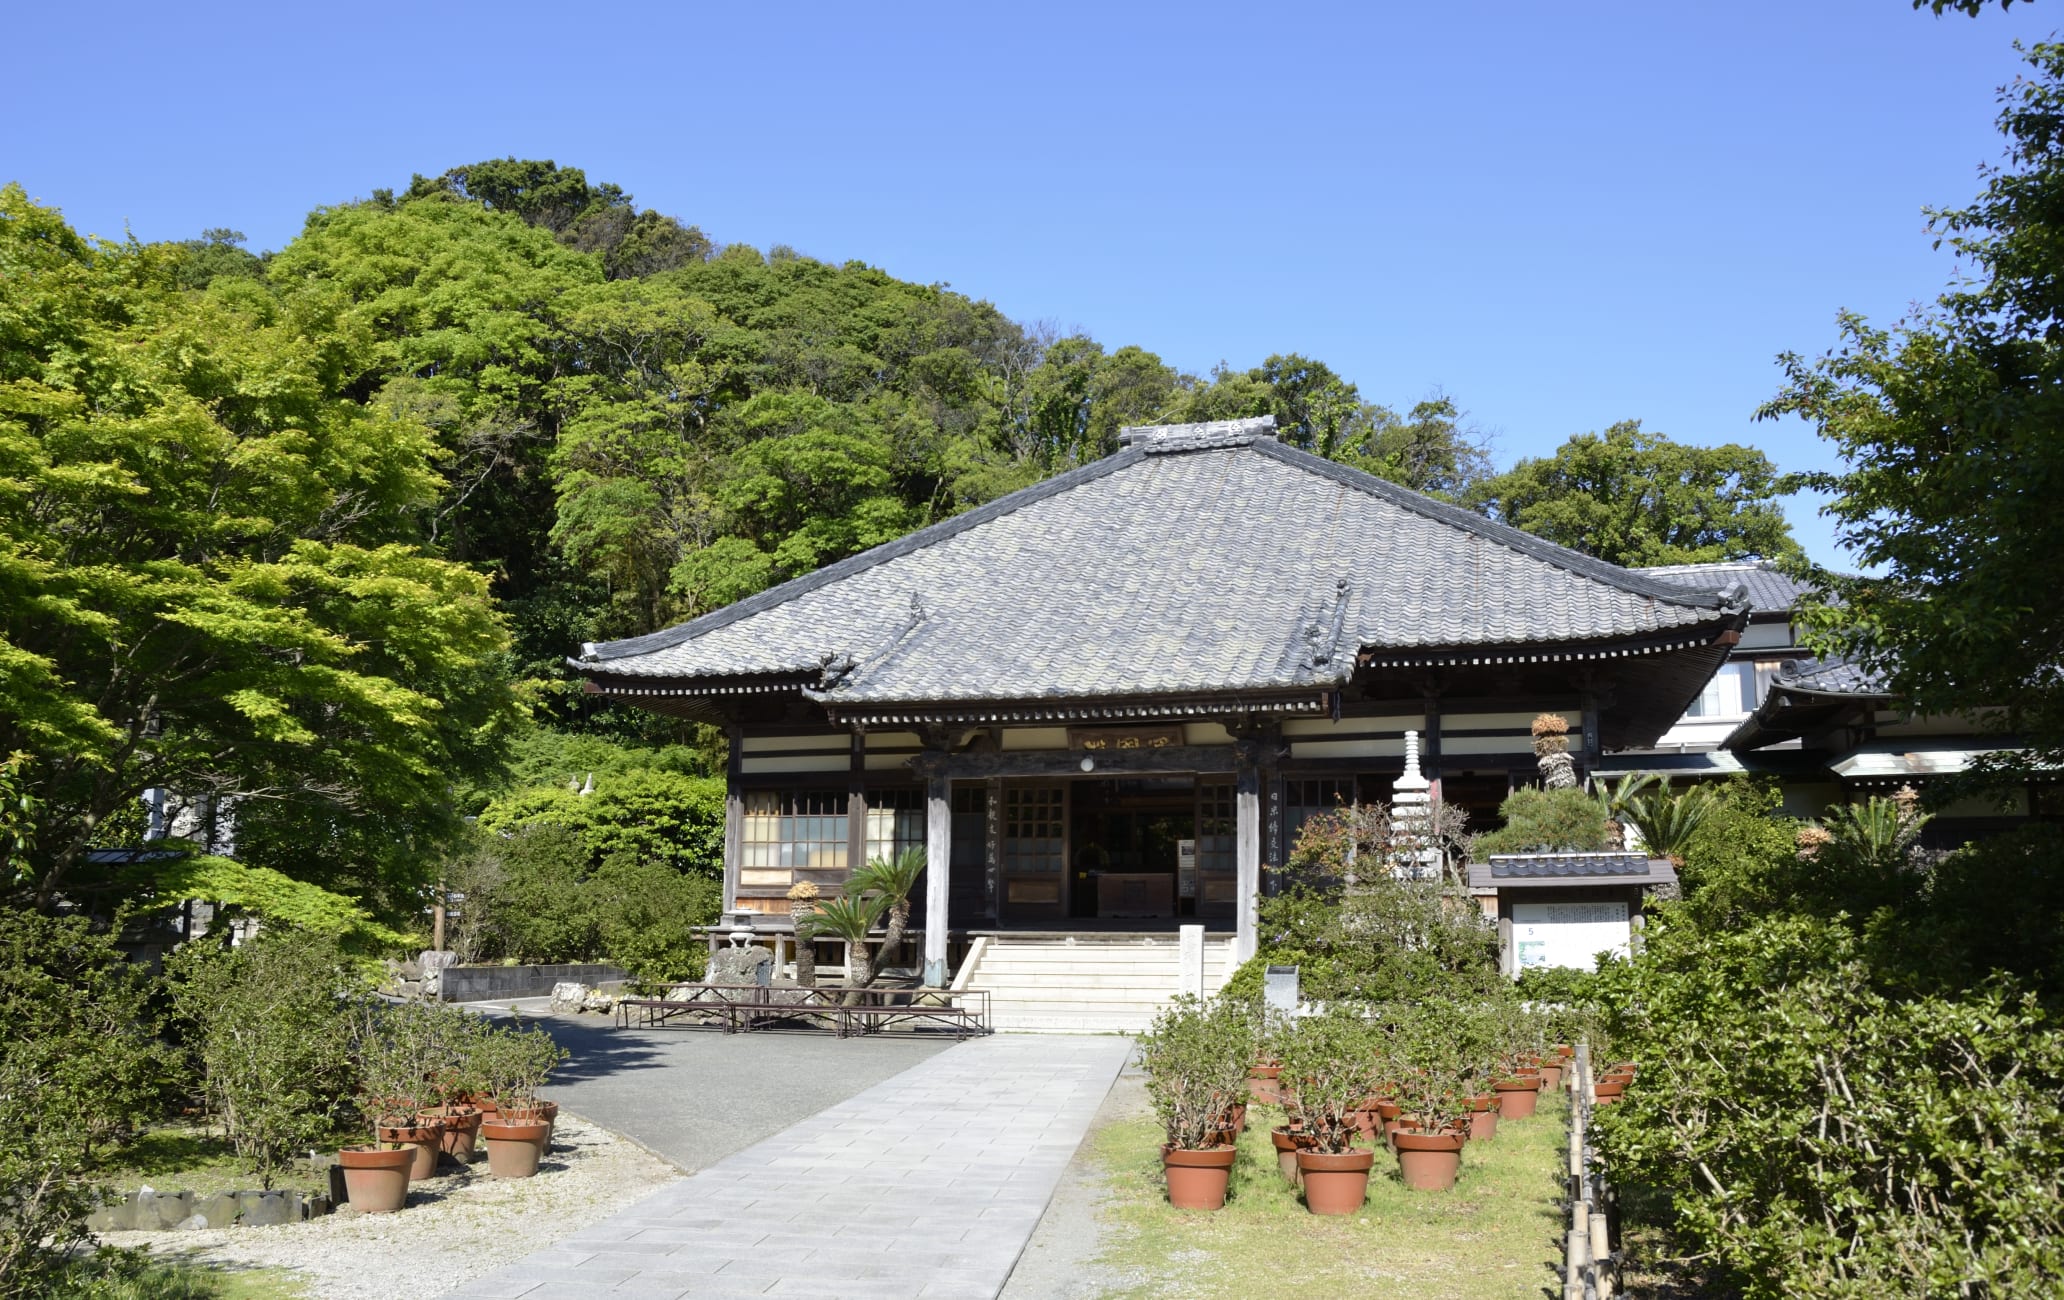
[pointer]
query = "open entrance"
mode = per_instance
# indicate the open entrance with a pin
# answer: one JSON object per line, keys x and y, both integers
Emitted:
{"x": 1138, "y": 852}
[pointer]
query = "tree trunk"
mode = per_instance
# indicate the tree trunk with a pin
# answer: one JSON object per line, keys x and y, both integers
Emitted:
{"x": 805, "y": 943}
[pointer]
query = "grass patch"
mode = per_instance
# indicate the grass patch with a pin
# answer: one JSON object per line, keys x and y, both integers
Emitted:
{"x": 184, "y": 1158}
{"x": 134, "y": 1275}
{"x": 1497, "y": 1235}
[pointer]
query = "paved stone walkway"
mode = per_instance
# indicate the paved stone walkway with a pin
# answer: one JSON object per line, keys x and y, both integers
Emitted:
{"x": 927, "y": 1185}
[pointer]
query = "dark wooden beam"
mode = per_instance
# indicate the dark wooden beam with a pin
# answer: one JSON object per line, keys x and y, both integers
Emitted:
{"x": 1068, "y": 762}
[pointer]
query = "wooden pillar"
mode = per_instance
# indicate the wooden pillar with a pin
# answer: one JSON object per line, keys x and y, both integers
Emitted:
{"x": 938, "y": 874}
{"x": 856, "y": 807}
{"x": 1246, "y": 854}
{"x": 734, "y": 824}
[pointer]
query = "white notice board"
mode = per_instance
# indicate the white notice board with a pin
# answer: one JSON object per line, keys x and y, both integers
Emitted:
{"x": 1186, "y": 868}
{"x": 1567, "y": 934}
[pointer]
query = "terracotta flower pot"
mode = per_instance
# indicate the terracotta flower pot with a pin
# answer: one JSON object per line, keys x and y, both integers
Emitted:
{"x": 1288, "y": 1142}
{"x": 1551, "y": 1074}
{"x": 1262, "y": 1085}
{"x": 1609, "y": 1090}
{"x": 1483, "y": 1118}
{"x": 542, "y": 1112}
{"x": 1517, "y": 1097}
{"x": 1197, "y": 1179}
{"x": 1428, "y": 1162}
{"x": 426, "y": 1136}
{"x": 461, "y": 1130}
{"x": 376, "y": 1179}
{"x": 1335, "y": 1183}
{"x": 1238, "y": 1112}
{"x": 514, "y": 1147}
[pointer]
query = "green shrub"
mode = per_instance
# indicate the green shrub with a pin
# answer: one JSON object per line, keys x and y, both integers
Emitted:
{"x": 1384, "y": 940}
{"x": 80, "y": 1063}
{"x": 646, "y": 915}
{"x": 1196, "y": 1057}
{"x": 1742, "y": 860}
{"x": 515, "y": 1063}
{"x": 532, "y": 895}
{"x": 1329, "y": 1067}
{"x": 1432, "y": 1058}
{"x": 1817, "y": 1136}
{"x": 271, "y": 1030}
{"x": 1547, "y": 821}
{"x": 1555, "y": 985}
{"x": 653, "y": 815}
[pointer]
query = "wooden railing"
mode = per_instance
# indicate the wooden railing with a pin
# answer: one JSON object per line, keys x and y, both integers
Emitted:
{"x": 1590, "y": 1265}
{"x": 842, "y": 1009}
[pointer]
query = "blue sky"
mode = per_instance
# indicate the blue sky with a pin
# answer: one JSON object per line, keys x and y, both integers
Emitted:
{"x": 1563, "y": 215}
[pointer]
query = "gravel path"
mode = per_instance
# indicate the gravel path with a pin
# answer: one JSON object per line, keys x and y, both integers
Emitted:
{"x": 456, "y": 1228}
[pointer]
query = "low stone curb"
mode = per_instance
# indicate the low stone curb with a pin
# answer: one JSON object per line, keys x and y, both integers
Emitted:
{"x": 154, "y": 1211}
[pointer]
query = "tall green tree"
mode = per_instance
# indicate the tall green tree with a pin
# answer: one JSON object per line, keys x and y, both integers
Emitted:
{"x": 212, "y": 576}
{"x": 1953, "y": 466}
{"x": 1638, "y": 498}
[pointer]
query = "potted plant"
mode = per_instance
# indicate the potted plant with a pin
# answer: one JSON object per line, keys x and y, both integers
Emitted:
{"x": 1327, "y": 1074}
{"x": 376, "y": 1175}
{"x": 453, "y": 1078}
{"x": 516, "y": 1063}
{"x": 1425, "y": 1051}
{"x": 1519, "y": 1079}
{"x": 1196, "y": 1057}
{"x": 398, "y": 1053}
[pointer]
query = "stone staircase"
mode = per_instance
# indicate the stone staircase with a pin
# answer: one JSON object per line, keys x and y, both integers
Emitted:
{"x": 1085, "y": 983}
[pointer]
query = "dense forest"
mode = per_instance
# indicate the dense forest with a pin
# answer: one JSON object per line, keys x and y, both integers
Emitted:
{"x": 311, "y": 532}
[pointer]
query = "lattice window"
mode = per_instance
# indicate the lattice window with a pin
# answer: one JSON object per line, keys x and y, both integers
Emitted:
{"x": 1032, "y": 828}
{"x": 792, "y": 835}
{"x": 895, "y": 822}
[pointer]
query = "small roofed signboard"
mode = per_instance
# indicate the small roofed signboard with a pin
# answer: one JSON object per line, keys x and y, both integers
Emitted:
{"x": 1568, "y": 934}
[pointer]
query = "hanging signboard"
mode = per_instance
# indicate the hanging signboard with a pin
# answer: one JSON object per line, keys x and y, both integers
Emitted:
{"x": 1567, "y": 934}
{"x": 1109, "y": 739}
{"x": 1186, "y": 868}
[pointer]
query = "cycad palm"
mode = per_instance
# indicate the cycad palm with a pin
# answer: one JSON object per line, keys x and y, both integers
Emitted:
{"x": 1668, "y": 821}
{"x": 891, "y": 880}
{"x": 851, "y": 917}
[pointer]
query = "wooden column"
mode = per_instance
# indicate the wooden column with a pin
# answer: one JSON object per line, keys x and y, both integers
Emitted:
{"x": 938, "y": 875}
{"x": 856, "y": 807}
{"x": 1246, "y": 854}
{"x": 734, "y": 823}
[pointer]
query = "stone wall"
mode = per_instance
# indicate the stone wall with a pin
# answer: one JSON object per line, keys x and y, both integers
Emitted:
{"x": 500, "y": 983}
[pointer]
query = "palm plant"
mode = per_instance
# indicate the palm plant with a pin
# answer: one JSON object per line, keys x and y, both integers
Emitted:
{"x": 1614, "y": 798}
{"x": 1667, "y": 821}
{"x": 853, "y": 917}
{"x": 892, "y": 880}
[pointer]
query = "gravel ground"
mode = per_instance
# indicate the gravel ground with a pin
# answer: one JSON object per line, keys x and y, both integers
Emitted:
{"x": 455, "y": 1228}
{"x": 1060, "y": 1262}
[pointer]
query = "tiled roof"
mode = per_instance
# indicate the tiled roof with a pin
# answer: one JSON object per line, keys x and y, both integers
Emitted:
{"x": 1584, "y": 871}
{"x": 1830, "y": 677}
{"x": 1769, "y": 591}
{"x": 1514, "y": 865}
{"x": 1199, "y": 558}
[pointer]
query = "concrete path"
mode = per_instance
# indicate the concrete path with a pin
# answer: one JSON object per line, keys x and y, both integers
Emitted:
{"x": 694, "y": 1096}
{"x": 925, "y": 1185}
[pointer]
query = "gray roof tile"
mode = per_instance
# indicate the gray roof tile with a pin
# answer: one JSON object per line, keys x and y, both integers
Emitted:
{"x": 1198, "y": 558}
{"x": 1769, "y": 591}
